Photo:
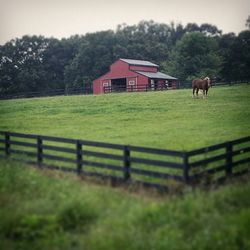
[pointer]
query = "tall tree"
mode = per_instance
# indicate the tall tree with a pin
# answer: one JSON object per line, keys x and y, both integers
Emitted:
{"x": 195, "y": 55}
{"x": 57, "y": 56}
{"x": 21, "y": 64}
{"x": 225, "y": 50}
{"x": 248, "y": 22}
{"x": 93, "y": 58}
{"x": 147, "y": 40}
{"x": 239, "y": 57}
{"x": 205, "y": 28}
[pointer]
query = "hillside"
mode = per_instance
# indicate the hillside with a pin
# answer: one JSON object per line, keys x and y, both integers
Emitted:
{"x": 169, "y": 119}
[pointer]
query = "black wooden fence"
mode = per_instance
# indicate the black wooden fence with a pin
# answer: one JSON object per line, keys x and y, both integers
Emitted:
{"x": 132, "y": 88}
{"x": 149, "y": 167}
{"x": 53, "y": 92}
{"x": 87, "y": 90}
{"x": 188, "y": 84}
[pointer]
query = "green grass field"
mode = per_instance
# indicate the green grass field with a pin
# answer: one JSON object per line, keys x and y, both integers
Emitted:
{"x": 170, "y": 119}
{"x": 45, "y": 210}
{"x": 41, "y": 209}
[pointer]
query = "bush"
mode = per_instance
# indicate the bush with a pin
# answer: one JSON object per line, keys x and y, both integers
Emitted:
{"x": 76, "y": 216}
{"x": 31, "y": 227}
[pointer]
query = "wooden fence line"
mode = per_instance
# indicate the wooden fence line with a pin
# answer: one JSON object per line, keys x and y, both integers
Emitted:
{"x": 52, "y": 92}
{"x": 188, "y": 84}
{"x": 107, "y": 89}
{"x": 112, "y": 89}
{"x": 186, "y": 167}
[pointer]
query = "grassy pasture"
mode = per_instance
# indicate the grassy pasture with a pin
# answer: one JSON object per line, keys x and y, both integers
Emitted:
{"x": 41, "y": 209}
{"x": 169, "y": 119}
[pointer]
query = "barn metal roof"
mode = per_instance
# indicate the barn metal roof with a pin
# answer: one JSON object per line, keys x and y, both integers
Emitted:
{"x": 157, "y": 75}
{"x": 139, "y": 62}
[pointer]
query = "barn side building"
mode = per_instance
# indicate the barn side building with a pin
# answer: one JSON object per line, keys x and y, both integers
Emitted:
{"x": 132, "y": 75}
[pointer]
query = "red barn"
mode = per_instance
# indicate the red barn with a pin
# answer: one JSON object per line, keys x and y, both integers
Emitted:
{"x": 132, "y": 75}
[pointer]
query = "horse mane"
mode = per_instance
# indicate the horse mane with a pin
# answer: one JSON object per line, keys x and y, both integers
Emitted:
{"x": 208, "y": 81}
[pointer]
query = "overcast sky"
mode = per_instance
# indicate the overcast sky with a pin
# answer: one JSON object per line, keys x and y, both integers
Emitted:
{"x": 63, "y": 18}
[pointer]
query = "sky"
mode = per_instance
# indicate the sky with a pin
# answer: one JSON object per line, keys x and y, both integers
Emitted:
{"x": 63, "y": 18}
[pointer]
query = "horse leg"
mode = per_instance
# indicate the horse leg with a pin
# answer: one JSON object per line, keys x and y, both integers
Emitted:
{"x": 197, "y": 91}
{"x": 203, "y": 90}
{"x": 193, "y": 91}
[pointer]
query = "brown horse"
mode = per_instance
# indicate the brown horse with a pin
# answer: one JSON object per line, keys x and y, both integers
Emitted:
{"x": 203, "y": 84}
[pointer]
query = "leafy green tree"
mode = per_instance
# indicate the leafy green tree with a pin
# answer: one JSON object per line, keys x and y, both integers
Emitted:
{"x": 195, "y": 55}
{"x": 21, "y": 64}
{"x": 8, "y": 69}
{"x": 147, "y": 40}
{"x": 93, "y": 58}
{"x": 210, "y": 30}
{"x": 57, "y": 56}
{"x": 248, "y": 22}
{"x": 205, "y": 28}
{"x": 225, "y": 50}
{"x": 239, "y": 57}
{"x": 35, "y": 63}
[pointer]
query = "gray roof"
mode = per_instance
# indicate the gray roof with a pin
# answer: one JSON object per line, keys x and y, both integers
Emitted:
{"x": 139, "y": 62}
{"x": 157, "y": 75}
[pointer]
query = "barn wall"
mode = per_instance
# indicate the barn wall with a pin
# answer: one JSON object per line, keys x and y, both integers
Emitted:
{"x": 121, "y": 69}
{"x": 97, "y": 87}
{"x": 118, "y": 68}
{"x": 131, "y": 83}
{"x": 142, "y": 81}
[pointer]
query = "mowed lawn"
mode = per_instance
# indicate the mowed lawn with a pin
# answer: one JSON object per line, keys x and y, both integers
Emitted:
{"x": 169, "y": 119}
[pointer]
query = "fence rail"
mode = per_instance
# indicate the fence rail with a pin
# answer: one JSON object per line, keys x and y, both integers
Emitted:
{"x": 129, "y": 164}
{"x": 188, "y": 84}
{"x": 53, "y": 92}
{"x": 108, "y": 89}
{"x": 132, "y": 88}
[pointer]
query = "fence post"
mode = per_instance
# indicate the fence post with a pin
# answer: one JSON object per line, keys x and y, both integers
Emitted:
{"x": 126, "y": 163}
{"x": 229, "y": 158}
{"x": 39, "y": 150}
{"x": 7, "y": 143}
{"x": 185, "y": 168}
{"x": 78, "y": 156}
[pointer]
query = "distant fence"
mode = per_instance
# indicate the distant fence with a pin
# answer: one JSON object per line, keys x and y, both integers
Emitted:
{"x": 188, "y": 84}
{"x": 112, "y": 89}
{"x": 178, "y": 85}
{"x": 150, "y": 167}
{"x": 55, "y": 92}
{"x": 108, "y": 89}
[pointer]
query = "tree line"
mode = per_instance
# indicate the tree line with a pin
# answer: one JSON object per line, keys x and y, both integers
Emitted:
{"x": 37, "y": 63}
